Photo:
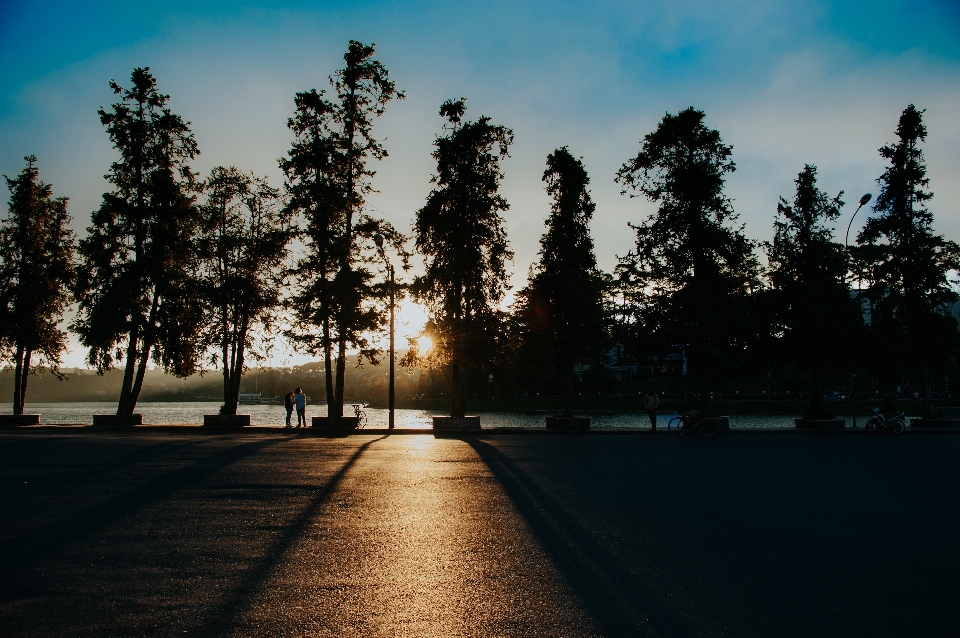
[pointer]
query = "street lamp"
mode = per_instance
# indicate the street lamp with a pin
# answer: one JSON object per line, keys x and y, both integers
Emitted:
{"x": 378, "y": 240}
{"x": 846, "y": 243}
{"x": 863, "y": 202}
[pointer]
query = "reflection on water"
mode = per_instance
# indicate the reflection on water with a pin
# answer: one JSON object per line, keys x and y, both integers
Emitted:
{"x": 192, "y": 412}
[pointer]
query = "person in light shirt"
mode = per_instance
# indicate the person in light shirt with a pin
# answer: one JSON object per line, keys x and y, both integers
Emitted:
{"x": 300, "y": 400}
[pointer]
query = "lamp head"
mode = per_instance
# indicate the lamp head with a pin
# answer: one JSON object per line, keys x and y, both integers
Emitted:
{"x": 865, "y": 199}
{"x": 378, "y": 240}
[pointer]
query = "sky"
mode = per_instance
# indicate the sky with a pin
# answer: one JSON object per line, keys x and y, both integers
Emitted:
{"x": 785, "y": 83}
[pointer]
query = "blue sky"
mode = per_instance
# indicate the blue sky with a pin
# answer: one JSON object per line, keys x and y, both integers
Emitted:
{"x": 786, "y": 83}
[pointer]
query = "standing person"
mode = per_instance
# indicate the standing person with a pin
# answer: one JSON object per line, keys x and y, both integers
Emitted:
{"x": 300, "y": 400}
{"x": 651, "y": 402}
{"x": 288, "y": 404}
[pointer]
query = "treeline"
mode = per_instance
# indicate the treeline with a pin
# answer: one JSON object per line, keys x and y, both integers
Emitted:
{"x": 366, "y": 384}
{"x": 190, "y": 271}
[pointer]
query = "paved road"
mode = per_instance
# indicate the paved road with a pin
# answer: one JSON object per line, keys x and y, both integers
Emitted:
{"x": 759, "y": 535}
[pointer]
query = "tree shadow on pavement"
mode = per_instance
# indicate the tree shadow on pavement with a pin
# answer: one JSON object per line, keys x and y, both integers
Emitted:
{"x": 227, "y": 617}
{"x": 45, "y": 544}
{"x": 619, "y": 602}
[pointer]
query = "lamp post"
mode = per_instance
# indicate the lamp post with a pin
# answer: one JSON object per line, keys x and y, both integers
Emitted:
{"x": 378, "y": 239}
{"x": 863, "y": 202}
{"x": 846, "y": 244}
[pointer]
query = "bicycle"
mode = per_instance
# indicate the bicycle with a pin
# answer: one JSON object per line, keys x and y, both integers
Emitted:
{"x": 681, "y": 423}
{"x": 360, "y": 414}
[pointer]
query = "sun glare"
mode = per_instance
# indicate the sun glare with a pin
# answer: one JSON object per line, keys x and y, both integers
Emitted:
{"x": 424, "y": 343}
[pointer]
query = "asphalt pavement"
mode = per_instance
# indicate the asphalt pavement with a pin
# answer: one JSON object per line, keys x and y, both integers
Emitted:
{"x": 260, "y": 534}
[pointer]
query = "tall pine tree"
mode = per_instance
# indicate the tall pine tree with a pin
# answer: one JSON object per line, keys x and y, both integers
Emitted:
{"x": 692, "y": 266}
{"x": 907, "y": 263}
{"x": 37, "y": 271}
{"x": 561, "y": 308}
{"x": 460, "y": 233}
{"x": 139, "y": 298}
{"x": 809, "y": 291}
{"x": 328, "y": 177}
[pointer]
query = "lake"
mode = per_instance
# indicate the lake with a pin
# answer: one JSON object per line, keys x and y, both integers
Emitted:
{"x": 192, "y": 412}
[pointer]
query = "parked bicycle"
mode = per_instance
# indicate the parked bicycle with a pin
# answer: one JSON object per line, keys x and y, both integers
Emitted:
{"x": 360, "y": 414}
{"x": 683, "y": 423}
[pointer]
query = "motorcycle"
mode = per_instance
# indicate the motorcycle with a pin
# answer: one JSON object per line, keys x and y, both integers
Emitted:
{"x": 879, "y": 422}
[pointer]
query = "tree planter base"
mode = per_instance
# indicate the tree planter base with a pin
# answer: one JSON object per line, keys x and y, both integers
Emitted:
{"x": 819, "y": 424}
{"x": 18, "y": 420}
{"x": 335, "y": 422}
{"x": 568, "y": 422}
{"x": 226, "y": 420}
{"x": 723, "y": 422}
{"x": 117, "y": 420}
{"x": 456, "y": 423}
{"x": 939, "y": 422}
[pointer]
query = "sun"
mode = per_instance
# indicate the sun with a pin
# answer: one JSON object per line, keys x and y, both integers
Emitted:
{"x": 424, "y": 343}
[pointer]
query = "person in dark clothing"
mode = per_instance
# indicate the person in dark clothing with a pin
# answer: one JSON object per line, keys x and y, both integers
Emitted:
{"x": 288, "y": 404}
{"x": 651, "y": 402}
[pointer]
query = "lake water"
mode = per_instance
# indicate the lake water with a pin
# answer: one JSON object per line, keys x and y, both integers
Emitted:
{"x": 192, "y": 412}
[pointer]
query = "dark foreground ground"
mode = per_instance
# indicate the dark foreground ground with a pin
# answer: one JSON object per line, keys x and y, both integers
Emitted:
{"x": 258, "y": 535}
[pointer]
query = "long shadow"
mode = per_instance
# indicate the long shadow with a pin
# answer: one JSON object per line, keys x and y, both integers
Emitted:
{"x": 110, "y": 464}
{"x": 58, "y": 537}
{"x": 228, "y": 615}
{"x": 618, "y": 601}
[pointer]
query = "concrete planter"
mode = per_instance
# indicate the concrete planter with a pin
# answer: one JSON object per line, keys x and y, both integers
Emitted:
{"x": 336, "y": 422}
{"x": 820, "y": 424}
{"x": 568, "y": 422}
{"x": 456, "y": 423}
{"x": 939, "y": 422}
{"x": 723, "y": 422}
{"x": 226, "y": 420}
{"x": 18, "y": 420}
{"x": 117, "y": 420}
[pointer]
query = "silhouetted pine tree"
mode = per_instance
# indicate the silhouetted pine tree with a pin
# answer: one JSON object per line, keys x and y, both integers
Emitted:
{"x": 328, "y": 179}
{"x": 809, "y": 293}
{"x": 139, "y": 296}
{"x": 36, "y": 273}
{"x": 907, "y": 264}
{"x": 460, "y": 233}
{"x": 243, "y": 244}
{"x": 691, "y": 269}
{"x": 561, "y": 308}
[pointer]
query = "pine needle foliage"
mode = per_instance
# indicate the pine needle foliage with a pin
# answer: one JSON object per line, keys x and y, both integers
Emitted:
{"x": 461, "y": 235}
{"x": 813, "y": 310}
{"x": 329, "y": 177}
{"x": 139, "y": 298}
{"x": 907, "y": 264}
{"x": 561, "y": 308}
{"x": 37, "y": 271}
{"x": 692, "y": 268}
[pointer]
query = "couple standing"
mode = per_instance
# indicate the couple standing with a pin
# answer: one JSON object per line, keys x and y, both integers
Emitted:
{"x": 296, "y": 399}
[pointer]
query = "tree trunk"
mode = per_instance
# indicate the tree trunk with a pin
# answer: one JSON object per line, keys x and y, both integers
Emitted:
{"x": 25, "y": 374}
{"x": 816, "y": 409}
{"x": 21, "y": 371}
{"x": 130, "y": 391}
{"x": 341, "y": 371}
{"x": 458, "y": 396}
{"x": 328, "y": 367}
{"x": 141, "y": 372}
{"x": 571, "y": 381}
{"x": 928, "y": 407}
{"x": 231, "y": 390}
{"x": 126, "y": 403}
